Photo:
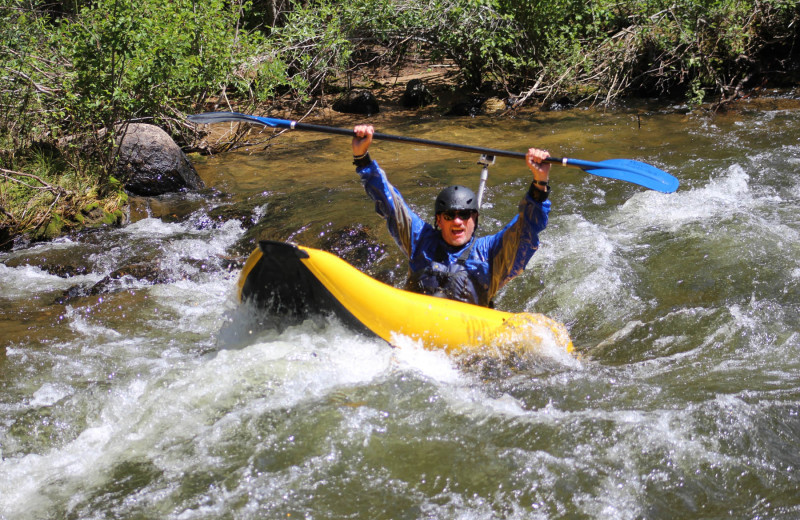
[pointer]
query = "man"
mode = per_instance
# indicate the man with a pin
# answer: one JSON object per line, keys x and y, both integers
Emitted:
{"x": 446, "y": 260}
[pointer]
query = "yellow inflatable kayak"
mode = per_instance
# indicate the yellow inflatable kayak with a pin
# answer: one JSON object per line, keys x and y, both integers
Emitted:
{"x": 296, "y": 282}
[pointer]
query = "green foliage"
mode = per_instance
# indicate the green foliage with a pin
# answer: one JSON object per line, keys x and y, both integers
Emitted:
{"x": 480, "y": 40}
{"x": 135, "y": 58}
{"x": 562, "y": 43}
{"x": 24, "y": 85}
{"x": 81, "y": 65}
{"x": 301, "y": 54}
{"x": 695, "y": 46}
{"x": 72, "y": 71}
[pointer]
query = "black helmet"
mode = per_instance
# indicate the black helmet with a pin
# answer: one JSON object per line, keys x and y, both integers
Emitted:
{"x": 456, "y": 197}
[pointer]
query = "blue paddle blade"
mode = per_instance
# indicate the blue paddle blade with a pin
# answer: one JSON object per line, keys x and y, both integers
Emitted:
{"x": 222, "y": 117}
{"x": 630, "y": 171}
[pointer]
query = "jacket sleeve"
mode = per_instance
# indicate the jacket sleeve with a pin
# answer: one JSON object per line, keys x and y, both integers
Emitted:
{"x": 511, "y": 249}
{"x": 404, "y": 225}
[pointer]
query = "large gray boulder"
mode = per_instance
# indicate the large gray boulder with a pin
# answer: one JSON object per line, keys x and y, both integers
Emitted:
{"x": 150, "y": 163}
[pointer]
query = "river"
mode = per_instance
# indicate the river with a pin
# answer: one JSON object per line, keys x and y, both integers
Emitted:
{"x": 130, "y": 395}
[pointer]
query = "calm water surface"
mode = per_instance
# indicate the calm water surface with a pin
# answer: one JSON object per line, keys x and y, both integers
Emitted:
{"x": 134, "y": 387}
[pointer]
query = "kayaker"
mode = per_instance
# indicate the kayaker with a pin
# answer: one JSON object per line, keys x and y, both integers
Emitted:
{"x": 445, "y": 259}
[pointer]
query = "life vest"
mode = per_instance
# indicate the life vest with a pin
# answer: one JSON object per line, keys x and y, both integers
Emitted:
{"x": 452, "y": 281}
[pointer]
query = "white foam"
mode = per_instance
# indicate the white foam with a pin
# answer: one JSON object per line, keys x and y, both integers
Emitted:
{"x": 586, "y": 269}
{"x": 725, "y": 195}
{"x": 19, "y": 282}
{"x": 87, "y": 327}
{"x": 49, "y": 394}
{"x": 153, "y": 227}
{"x": 433, "y": 364}
{"x": 154, "y": 417}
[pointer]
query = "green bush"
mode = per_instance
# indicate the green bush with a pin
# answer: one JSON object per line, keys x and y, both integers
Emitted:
{"x": 299, "y": 56}
{"x": 72, "y": 71}
{"x": 602, "y": 49}
{"x": 149, "y": 58}
{"x": 692, "y": 49}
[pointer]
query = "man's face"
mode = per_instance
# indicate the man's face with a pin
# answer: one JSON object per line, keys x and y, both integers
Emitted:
{"x": 457, "y": 226}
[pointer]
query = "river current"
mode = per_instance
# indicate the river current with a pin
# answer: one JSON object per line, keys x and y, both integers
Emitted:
{"x": 133, "y": 385}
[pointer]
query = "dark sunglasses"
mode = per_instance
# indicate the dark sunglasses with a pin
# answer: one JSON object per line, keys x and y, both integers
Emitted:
{"x": 463, "y": 214}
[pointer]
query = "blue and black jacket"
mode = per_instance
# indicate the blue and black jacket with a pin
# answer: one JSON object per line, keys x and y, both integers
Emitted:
{"x": 489, "y": 262}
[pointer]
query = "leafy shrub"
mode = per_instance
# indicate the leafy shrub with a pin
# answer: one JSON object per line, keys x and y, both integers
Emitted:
{"x": 140, "y": 58}
{"x": 300, "y": 55}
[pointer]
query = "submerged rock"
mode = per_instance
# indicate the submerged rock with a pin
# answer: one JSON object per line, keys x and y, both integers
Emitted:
{"x": 469, "y": 107}
{"x": 494, "y": 105}
{"x": 416, "y": 95}
{"x": 357, "y": 102}
{"x": 354, "y": 244}
{"x": 148, "y": 272}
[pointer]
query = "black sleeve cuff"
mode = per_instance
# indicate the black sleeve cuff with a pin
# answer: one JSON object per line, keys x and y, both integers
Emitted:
{"x": 362, "y": 161}
{"x": 537, "y": 194}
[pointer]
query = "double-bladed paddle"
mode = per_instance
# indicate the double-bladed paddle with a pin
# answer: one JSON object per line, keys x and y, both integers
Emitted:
{"x": 621, "y": 169}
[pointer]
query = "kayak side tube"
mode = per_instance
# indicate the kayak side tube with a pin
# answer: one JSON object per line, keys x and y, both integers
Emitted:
{"x": 298, "y": 282}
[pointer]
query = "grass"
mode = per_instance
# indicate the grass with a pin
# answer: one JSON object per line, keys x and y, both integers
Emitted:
{"x": 44, "y": 197}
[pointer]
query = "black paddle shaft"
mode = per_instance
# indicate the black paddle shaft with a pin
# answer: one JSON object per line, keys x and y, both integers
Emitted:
{"x": 425, "y": 142}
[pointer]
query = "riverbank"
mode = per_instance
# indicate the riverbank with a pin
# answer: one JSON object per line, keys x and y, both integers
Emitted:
{"x": 37, "y": 208}
{"x": 449, "y": 99}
